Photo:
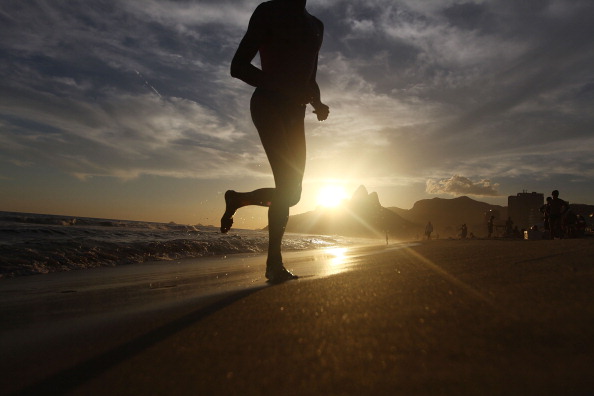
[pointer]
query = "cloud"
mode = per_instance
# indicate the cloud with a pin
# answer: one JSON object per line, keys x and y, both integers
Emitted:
{"x": 460, "y": 185}
{"x": 126, "y": 136}
{"x": 477, "y": 88}
{"x": 191, "y": 14}
{"x": 126, "y": 89}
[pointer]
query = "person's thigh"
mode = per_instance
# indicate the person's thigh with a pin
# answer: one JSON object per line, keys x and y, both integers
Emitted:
{"x": 281, "y": 130}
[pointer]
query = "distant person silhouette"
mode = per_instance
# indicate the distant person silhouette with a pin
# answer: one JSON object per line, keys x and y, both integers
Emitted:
{"x": 570, "y": 224}
{"x": 428, "y": 230}
{"x": 546, "y": 214}
{"x": 557, "y": 209}
{"x": 288, "y": 39}
{"x": 490, "y": 226}
{"x": 509, "y": 227}
{"x": 463, "y": 231}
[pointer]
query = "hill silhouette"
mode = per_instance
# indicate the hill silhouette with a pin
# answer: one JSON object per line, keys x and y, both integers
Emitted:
{"x": 364, "y": 216}
{"x": 361, "y": 216}
{"x": 447, "y": 215}
{"x": 587, "y": 211}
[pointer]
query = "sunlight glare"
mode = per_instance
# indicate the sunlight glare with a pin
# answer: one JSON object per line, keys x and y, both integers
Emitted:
{"x": 338, "y": 255}
{"x": 334, "y": 261}
{"x": 331, "y": 196}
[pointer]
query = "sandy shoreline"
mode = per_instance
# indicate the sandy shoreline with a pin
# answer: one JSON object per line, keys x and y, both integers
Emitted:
{"x": 443, "y": 317}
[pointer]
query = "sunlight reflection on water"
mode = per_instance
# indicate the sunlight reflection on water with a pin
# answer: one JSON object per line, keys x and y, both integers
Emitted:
{"x": 337, "y": 258}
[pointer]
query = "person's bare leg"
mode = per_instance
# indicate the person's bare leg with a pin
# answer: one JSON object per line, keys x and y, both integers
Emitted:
{"x": 282, "y": 134}
{"x": 287, "y": 194}
{"x": 278, "y": 216}
{"x": 235, "y": 200}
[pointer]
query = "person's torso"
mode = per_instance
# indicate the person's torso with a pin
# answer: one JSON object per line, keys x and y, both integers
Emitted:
{"x": 290, "y": 49}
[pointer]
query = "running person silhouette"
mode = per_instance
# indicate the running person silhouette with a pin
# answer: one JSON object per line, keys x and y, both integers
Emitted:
{"x": 288, "y": 39}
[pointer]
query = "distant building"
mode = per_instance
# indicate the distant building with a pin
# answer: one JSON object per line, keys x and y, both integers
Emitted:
{"x": 524, "y": 209}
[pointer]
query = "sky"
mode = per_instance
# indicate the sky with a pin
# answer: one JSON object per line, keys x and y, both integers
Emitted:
{"x": 126, "y": 109}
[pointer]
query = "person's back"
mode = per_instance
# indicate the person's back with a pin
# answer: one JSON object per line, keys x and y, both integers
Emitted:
{"x": 557, "y": 208}
{"x": 290, "y": 36}
{"x": 289, "y": 39}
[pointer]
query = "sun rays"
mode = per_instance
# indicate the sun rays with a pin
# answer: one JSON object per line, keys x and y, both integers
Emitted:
{"x": 331, "y": 196}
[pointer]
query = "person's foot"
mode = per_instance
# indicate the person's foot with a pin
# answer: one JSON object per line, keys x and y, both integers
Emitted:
{"x": 279, "y": 274}
{"x": 230, "y": 208}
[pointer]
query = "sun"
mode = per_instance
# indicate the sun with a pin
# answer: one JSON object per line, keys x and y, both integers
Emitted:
{"x": 331, "y": 196}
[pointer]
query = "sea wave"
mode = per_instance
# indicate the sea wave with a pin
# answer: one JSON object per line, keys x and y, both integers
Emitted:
{"x": 38, "y": 243}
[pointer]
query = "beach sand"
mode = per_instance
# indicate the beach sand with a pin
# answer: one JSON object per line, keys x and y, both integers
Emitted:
{"x": 445, "y": 317}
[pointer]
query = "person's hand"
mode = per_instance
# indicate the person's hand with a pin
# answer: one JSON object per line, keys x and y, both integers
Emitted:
{"x": 321, "y": 110}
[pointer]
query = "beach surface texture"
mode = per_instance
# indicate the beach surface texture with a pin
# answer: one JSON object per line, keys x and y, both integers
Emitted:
{"x": 445, "y": 317}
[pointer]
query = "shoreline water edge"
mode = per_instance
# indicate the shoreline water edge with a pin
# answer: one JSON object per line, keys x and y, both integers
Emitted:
{"x": 39, "y": 243}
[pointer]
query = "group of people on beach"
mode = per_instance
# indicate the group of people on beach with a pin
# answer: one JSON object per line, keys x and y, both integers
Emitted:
{"x": 559, "y": 220}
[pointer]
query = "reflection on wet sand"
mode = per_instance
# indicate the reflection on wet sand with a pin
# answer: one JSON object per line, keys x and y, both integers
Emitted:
{"x": 336, "y": 260}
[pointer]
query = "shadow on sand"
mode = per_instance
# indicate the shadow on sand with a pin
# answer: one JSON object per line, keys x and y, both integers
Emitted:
{"x": 69, "y": 379}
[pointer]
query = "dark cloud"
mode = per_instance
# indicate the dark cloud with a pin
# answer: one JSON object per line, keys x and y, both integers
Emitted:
{"x": 479, "y": 88}
{"x": 470, "y": 16}
{"x": 103, "y": 77}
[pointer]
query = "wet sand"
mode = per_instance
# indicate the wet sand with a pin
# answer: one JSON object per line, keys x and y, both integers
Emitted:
{"x": 488, "y": 317}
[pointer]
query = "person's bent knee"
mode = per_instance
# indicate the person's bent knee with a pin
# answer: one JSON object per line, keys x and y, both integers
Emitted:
{"x": 289, "y": 196}
{"x": 295, "y": 199}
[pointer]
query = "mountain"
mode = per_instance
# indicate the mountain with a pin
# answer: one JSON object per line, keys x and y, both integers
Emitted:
{"x": 448, "y": 215}
{"x": 361, "y": 216}
{"x": 587, "y": 211}
{"x": 364, "y": 216}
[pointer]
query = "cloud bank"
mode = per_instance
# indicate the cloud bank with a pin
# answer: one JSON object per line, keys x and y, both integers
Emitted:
{"x": 493, "y": 90}
{"x": 460, "y": 185}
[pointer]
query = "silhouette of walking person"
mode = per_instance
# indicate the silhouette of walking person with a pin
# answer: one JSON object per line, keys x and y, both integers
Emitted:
{"x": 428, "y": 230}
{"x": 490, "y": 225}
{"x": 288, "y": 39}
{"x": 557, "y": 210}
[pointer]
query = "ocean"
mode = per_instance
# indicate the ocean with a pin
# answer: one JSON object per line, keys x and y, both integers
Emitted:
{"x": 38, "y": 243}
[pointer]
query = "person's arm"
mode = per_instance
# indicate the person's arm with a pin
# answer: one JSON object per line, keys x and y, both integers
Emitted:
{"x": 565, "y": 207}
{"x": 320, "y": 109}
{"x": 241, "y": 65}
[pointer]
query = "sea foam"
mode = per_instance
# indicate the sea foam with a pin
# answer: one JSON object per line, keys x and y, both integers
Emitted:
{"x": 37, "y": 243}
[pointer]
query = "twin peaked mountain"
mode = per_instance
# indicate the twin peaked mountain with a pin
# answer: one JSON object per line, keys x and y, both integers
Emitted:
{"x": 364, "y": 216}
